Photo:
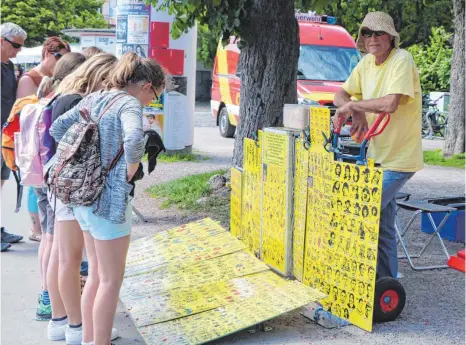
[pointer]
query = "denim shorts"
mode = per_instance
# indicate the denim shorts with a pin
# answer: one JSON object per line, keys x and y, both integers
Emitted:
{"x": 62, "y": 212}
{"x": 100, "y": 228}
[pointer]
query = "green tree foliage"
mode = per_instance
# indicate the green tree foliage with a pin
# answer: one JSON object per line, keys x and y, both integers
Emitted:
{"x": 413, "y": 18}
{"x": 433, "y": 61}
{"x": 43, "y": 18}
{"x": 206, "y": 45}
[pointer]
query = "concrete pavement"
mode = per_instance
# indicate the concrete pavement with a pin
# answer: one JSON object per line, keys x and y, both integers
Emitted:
{"x": 20, "y": 277}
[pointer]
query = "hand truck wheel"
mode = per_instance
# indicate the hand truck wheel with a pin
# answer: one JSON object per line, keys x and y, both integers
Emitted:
{"x": 390, "y": 299}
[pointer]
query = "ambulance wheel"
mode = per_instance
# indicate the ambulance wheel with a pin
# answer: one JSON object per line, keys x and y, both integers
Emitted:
{"x": 224, "y": 125}
{"x": 390, "y": 299}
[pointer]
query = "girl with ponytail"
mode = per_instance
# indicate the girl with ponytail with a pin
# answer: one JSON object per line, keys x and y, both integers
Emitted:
{"x": 133, "y": 83}
{"x": 47, "y": 86}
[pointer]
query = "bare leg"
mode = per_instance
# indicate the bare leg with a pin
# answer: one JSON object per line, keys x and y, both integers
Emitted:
{"x": 111, "y": 256}
{"x": 35, "y": 223}
{"x": 70, "y": 247}
{"x": 45, "y": 258}
{"x": 90, "y": 289}
{"x": 58, "y": 309}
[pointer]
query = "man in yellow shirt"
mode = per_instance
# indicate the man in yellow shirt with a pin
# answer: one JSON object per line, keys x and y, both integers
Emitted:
{"x": 385, "y": 80}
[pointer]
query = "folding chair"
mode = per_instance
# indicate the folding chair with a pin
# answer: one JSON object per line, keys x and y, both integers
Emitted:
{"x": 419, "y": 207}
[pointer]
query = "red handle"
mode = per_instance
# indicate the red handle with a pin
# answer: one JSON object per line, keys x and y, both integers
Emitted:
{"x": 372, "y": 131}
{"x": 337, "y": 129}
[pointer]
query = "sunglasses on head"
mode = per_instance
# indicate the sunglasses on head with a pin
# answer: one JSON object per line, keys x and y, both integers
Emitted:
{"x": 368, "y": 33}
{"x": 57, "y": 55}
{"x": 13, "y": 44}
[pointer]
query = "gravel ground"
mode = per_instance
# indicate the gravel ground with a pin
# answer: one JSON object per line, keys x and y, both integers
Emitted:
{"x": 435, "y": 308}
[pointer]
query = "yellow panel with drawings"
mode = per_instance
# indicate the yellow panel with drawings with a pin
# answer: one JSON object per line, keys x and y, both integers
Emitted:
{"x": 251, "y": 194}
{"x": 235, "y": 202}
{"x": 342, "y": 229}
{"x": 274, "y": 235}
{"x": 300, "y": 206}
{"x": 186, "y": 301}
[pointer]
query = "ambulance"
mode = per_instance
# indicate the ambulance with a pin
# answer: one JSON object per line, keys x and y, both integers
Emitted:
{"x": 327, "y": 55}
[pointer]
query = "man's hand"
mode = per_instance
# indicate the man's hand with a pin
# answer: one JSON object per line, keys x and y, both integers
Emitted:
{"x": 342, "y": 114}
{"x": 358, "y": 123}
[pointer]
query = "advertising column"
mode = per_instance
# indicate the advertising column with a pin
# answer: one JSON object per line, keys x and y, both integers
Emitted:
{"x": 144, "y": 30}
{"x": 179, "y": 58}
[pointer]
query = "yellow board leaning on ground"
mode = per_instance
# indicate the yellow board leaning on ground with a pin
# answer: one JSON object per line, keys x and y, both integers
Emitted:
{"x": 196, "y": 297}
{"x": 251, "y": 194}
{"x": 274, "y": 198}
{"x": 342, "y": 228}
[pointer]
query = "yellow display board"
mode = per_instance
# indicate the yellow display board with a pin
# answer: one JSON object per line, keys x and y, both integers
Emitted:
{"x": 190, "y": 244}
{"x": 342, "y": 229}
{"x": 251, "y": 194}
{"x": 223, "y": 268}
{"x": 199, "y": 298}
{"x": 270, "y": 296}
{"x": 300, "y": 207}
{"x": 235, "y": 202}
{"x": 275, "y": 234}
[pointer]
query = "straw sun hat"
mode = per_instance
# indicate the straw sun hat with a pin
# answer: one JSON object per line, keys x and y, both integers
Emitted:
{"x": 377, "y": 21}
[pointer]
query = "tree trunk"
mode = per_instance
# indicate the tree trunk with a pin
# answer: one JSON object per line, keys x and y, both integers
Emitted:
{"x": 268, "y": 62}
{"x": 454, "y": 139}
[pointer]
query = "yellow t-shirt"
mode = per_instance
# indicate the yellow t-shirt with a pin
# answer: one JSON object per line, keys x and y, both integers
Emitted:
{"x": 399, "y": 146}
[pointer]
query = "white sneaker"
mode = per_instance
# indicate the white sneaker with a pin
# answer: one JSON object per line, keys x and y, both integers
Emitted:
{"x": 55, "y": 331}
{"x": 73, "y": 336}
{"x": 114, "y": 334}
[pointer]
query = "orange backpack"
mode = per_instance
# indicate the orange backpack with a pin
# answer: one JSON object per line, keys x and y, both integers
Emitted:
{"x": 10, "y": 127}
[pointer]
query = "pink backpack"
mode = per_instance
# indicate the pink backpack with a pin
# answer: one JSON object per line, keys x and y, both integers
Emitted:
{"x": 34, "y": 145}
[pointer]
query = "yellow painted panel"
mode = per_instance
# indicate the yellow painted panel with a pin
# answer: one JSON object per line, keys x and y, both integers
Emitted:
{"x": 300, "y": 206}
{"x": 251, "y": 196}
{"x": 269, "y": 296}
{"x": 343, "y": 215}
{"x": 235, "y": 202}
{"x": 274, "y": 198}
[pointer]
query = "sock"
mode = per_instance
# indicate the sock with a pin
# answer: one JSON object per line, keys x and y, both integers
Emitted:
{"x": 86, "y": 344}
{"x": 45, "y": 297}
{"x": 76, "y": 327}
{"x": 60, "y": 321}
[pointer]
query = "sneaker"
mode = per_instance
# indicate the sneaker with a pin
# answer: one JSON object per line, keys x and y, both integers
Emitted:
{"x": 84, "y": 268}
{"x": 44, "y": 311}
{"x": 10, "y": 238}
{"x": 55, "y": 331}
{"x": 73, "y": 336}
{"x": 5, "y": 246}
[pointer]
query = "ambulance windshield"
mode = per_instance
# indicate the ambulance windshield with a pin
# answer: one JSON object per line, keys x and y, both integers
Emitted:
{"x": 326, "y": 63}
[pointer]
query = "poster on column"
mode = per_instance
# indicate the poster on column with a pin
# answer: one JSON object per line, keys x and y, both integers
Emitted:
{"x": 175, "y": 117}
{"x": 132, "y": 27}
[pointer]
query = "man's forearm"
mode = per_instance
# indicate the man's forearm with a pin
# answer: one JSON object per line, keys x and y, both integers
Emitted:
{"x": 341, "y": 98}
{"x": 387, "y": 104}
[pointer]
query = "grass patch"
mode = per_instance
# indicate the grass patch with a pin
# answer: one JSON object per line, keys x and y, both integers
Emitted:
{"x": 184, "y": 192}
{"x": 435, "y": 157}
{"x": 177, "y": 157}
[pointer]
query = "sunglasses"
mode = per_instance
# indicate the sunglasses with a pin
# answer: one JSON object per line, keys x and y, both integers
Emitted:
{"x": 13, "y": 44}
{"x": 155, "y": 94}
{"x": 369, "y": 33}
{"x": 57, "y": 55}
